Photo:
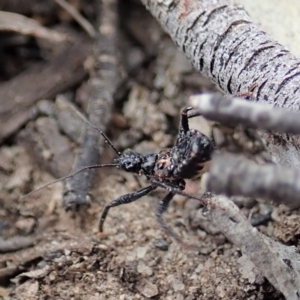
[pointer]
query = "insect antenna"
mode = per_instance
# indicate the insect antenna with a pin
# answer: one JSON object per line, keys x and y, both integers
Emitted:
{"x": 107, "y": 140}
{"x": 68, "y": 176}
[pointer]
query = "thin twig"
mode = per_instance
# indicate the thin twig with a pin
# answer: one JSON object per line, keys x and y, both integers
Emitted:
{"x": 83, "y": 22}
{"x": 16, "y": 243}
{"x": 13, "y": 22}
{"x": 235, "y": 111}
{"x": 233, "y": 176}
{"x": 100, "y": 88}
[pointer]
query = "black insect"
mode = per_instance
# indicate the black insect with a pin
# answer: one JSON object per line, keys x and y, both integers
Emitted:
{"x": 189, "y": 158}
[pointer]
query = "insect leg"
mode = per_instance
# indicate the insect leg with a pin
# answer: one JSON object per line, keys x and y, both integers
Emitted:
{"x": 194, "y": 114}
{"x": 204, "y": 200}
{"x": 184, "y": 125}
{"x": 162, "y": 207}
{"x": 124, "y": 200}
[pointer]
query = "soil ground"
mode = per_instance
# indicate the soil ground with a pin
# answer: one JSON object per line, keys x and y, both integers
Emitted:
{"x": 48, "y": 253}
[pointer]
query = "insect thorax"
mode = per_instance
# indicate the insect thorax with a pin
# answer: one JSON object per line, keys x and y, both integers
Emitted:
{"x": 187, "y": 159}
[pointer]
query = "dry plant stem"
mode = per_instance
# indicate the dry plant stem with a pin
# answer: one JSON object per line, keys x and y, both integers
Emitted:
{"x": 236, "y": 111}
{"x": 84, "y": 23}
{"x": 232, "y": 176}
{"x": 23, "y": 25}
{"x": 222, "y": 42}
{"x": 278, "y": 263}
{"x": 101, "y": 87}
{"x": 16, "y": 243}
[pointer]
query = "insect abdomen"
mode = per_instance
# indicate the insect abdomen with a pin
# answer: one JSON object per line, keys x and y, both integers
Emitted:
{"x": 193, "y": 156}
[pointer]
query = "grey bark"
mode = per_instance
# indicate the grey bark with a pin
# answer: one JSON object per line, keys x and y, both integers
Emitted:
{"x": 236, "y": 111}
{"x": 233, "y": 176}
{"x": 221, "y": 41}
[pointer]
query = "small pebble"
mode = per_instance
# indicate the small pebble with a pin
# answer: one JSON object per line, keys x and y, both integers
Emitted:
{"x": 26, "y": 225}
{"x": 177, "y": 285}
{"x": 179, "y": 297}
{"x": 199, "y": 268}
{"x": 161, "y": 244}
{"x": 142, "y": 268}
{"x": 149, "y": 290}
{"x": 67, "y": 252}
{"x": 141, "y": 252}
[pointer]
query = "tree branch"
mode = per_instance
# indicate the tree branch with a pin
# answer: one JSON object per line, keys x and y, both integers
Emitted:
{"x": 222, "y": 42}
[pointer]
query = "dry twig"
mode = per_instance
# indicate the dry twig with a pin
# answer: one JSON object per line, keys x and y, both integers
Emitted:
{"x": 16, "y": 243}
{"x": 278, "y": 263}
{"x": 100, "y": 88}
{"x": 83, "y": 22}
{"x": 236, "y": 111}
{"x": 234, "y": 176}
{"x": 23, "y": 25}
{"x": 225, "y": 45}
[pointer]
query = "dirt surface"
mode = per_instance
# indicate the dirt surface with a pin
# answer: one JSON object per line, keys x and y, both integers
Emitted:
{"x": 47, "y": 253}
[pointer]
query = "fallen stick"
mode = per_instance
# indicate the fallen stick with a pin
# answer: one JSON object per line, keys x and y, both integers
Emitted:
{"x": 277, "y": 262}
{"x": 236, "y": 111}
{"x": 232, "y": 176}
{"x": 100, "y": 88}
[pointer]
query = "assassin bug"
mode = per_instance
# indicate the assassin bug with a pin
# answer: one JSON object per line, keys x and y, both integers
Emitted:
{"x": 188, "y": 158}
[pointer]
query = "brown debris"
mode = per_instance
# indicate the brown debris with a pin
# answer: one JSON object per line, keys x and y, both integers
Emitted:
{"x": 45, "y": 140}
{"x": 62, "y": 72}
{"x": 287, "y": 228}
